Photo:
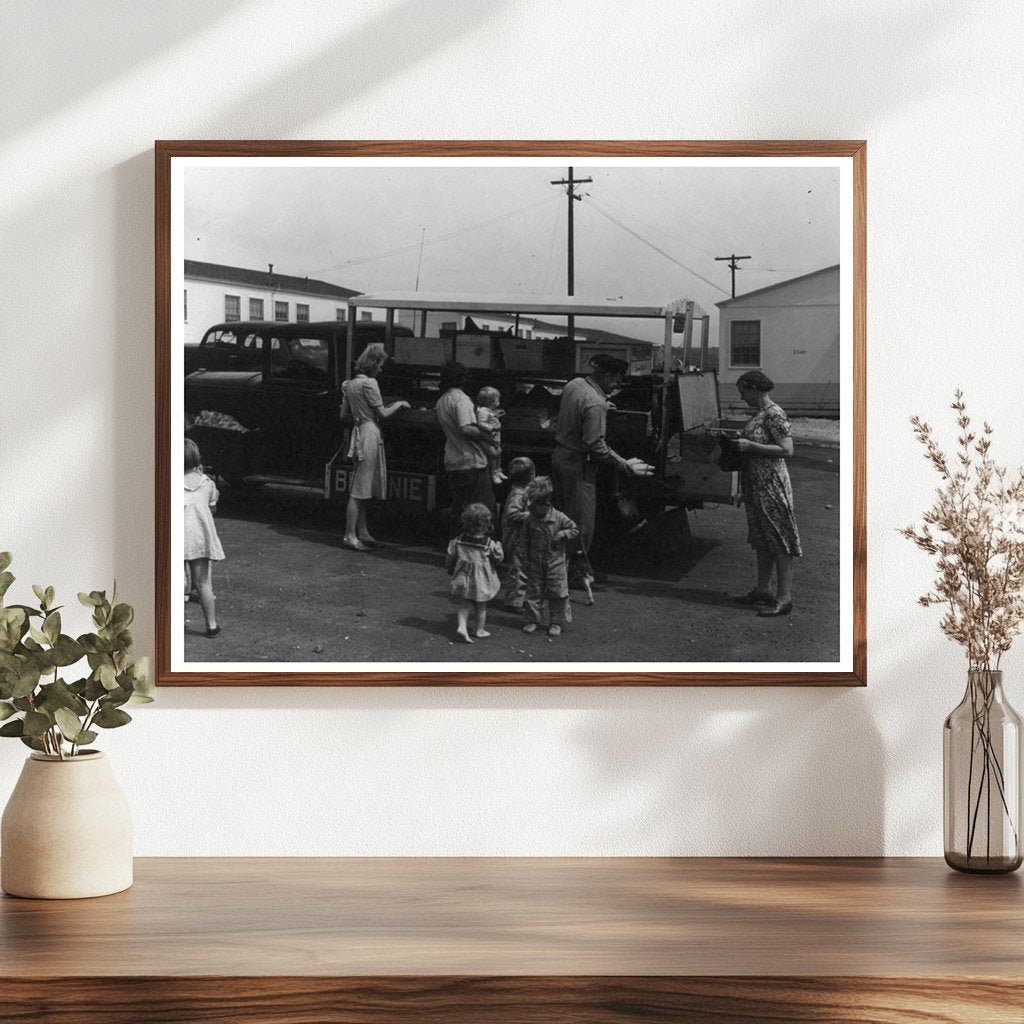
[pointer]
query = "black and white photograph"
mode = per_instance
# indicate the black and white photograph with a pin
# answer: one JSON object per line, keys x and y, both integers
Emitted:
{"x": 559, "y": 415}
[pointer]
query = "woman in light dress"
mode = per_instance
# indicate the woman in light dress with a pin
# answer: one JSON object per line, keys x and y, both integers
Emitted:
{"x": 766, "y": 445}
{"x": 363, "y": 404}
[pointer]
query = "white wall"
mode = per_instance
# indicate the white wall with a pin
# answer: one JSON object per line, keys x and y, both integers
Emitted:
{"x": 87, "y": 88}
{"x": 206, "y": 305}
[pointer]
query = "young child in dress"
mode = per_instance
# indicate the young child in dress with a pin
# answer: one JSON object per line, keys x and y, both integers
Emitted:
{"x": 202, "y": 545}
{"x": 544, "y": 538}
{"x": 471, "y": 561}
{"x": 488, "y": 418}
{"x": 521, "y": 472}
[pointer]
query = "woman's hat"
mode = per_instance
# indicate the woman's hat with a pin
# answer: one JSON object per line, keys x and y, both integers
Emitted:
{"x": 609, "y": 364}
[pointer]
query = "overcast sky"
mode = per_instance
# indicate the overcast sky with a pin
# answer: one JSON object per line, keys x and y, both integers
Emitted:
{"x": 503, "y": 229}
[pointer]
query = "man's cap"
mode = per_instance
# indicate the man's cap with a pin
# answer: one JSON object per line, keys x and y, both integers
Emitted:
{"x": 609, "y": 364}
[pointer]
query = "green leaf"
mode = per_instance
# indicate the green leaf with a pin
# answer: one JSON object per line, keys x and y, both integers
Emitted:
{"x": 36, "y": 723}
{"x": 27, "y": 682}
{"x": 107, "y": 676}
{"x": 38, "y": 636}
{"x": 28, "y": 610}
{"x": 51, "y": 626}
{"x": 31, "y": 741}
{"x": 59, "y": 695}
{"x": 9, "y": 663}
{"x": 107, "y": 718}
{"x": 22, "y": 703}
{"x": 14, "y": 728}
{"x": 13, "y": 625}
{"x": 69, "y": 724}
{"x": 89, "y": 600}
{"x": 67, "y": 651}
{"x": 5, "y": 559}
{"x": 6, "y": 579}
{"x": 122, "y": 615}
{"x": 50, "y": 595}
{"x": 142, "y": 681}
{"x": 95, "y": 645}
{"x": 6, "y": 710}
{"x": 115, "y": 698}
{"x": 86, "y": 736}
{"x": 40, "y": 592}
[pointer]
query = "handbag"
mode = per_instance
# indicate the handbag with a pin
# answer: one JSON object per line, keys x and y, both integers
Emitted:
{"x": 730, "y": 458}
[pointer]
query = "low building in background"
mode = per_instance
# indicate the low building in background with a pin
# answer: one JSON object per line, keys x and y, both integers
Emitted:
{"x": 790, "y": 331}
{"x": 215, "y": 293}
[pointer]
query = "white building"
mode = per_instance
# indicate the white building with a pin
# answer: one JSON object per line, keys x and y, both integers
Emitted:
{"x": 215, "y": 294}
{"x": 790, "y": 331}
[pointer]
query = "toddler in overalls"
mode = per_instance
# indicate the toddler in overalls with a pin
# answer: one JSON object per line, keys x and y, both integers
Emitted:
{"x": 544, "y": 538}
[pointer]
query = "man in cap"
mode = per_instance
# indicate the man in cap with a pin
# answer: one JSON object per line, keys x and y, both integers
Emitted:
{"x": 581, "y": 445}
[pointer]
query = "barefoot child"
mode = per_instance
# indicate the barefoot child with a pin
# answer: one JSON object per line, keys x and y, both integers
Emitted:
{"x": 544, "y": 537}
{"x": 488, "y": 419}
{"x": 472, "y": 556}
{"x": 202, "y": 545}
{"x": 521, "y": 472}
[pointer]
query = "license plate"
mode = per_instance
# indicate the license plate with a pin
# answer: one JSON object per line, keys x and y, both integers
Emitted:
{"x": 419, "y": 489}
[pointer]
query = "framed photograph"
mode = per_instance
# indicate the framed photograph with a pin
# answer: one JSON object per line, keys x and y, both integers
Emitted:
{"x": 528, "y": 413}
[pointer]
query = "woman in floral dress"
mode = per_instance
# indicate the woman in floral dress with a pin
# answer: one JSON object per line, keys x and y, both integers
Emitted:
{"x": 766, "y": 444}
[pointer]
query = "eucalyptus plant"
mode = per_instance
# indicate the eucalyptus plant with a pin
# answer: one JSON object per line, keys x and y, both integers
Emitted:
{"x": 45, "y": 711}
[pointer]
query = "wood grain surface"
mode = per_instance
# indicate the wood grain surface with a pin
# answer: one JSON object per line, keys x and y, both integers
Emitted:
{"x": 167, "y": 150}
{"x": 522, "y": 939}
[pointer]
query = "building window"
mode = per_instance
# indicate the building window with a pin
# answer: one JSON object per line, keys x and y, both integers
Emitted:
{"x": 341, "y": 314}
{"x": 232, "y": 308}
{"x": 301, "y": 313}
{"x": 528, "y": 334}
{"x": 255, "y": 309}
{"x": 281, "y": 312}
{"x": 186, "y": 305}
{"x": 745, "y": 343}
{"x": 365, "y": 316}
{"x": 449, "y": 325}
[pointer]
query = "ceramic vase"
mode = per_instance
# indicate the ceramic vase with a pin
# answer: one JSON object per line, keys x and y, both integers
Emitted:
{"x": 981, "y": 775}
{"x": 66, "y": 831}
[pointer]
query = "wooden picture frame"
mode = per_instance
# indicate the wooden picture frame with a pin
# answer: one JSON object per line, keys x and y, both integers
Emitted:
{"x": 843, "y": 165}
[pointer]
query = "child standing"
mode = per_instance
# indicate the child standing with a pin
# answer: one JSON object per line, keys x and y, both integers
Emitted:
{"x": 488, "y": 419}
{"x": 521, "y": 472}
{"x": 202, "y": 545}
{"x": 544, "y": 537}
{"x": 472, "y": 556}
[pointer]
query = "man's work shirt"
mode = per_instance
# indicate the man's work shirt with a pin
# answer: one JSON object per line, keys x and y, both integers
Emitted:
{"x": 582, "y": 419}
{"x": 454, "y": 410}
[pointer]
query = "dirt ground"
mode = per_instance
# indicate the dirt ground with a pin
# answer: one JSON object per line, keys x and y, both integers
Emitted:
{"x": 288, "y": 591}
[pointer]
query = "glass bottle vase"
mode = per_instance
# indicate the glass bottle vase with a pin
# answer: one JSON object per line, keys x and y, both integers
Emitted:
{"x": 981, "y": 774}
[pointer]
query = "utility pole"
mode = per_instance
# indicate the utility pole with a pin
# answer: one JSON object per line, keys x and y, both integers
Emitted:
{"x": 570, "y": 184}
{"x": 733, "y": 266}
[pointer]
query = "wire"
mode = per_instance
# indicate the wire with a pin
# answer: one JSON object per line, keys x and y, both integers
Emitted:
{"x": 639, "y": 237}
{"x": 436, "y": 241}
{"x": 660, "y": 228}
{"x": 640, "y": 183}
{"x": 546, "y": 289}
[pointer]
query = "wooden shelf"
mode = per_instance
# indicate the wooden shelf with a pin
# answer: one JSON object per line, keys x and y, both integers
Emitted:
{"x": 573, "y": 941}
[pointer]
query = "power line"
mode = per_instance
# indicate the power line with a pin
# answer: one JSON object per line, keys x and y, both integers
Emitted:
{"x": 639, "y": 237}
{"x": 661, "y": 230}
{"x": 436, "y": 241}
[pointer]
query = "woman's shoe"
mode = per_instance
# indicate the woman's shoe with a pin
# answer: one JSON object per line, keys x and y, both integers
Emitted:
{"x": 214, "y": 632}
{"x": 778, "y": 608}
{"x": 368, "y": 541}
{"x": 354, "y": 545}
{"x": 755, "y": 597}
